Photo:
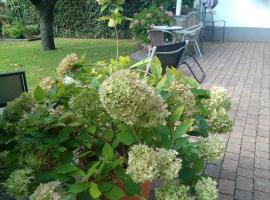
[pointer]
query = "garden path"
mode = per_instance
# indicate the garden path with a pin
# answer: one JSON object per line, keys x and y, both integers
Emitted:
{"x": 244, "y": 69}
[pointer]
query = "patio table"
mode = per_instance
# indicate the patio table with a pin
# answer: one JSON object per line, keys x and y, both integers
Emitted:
{"x": 168, "y": 28}
{"x": 173, "y": 29}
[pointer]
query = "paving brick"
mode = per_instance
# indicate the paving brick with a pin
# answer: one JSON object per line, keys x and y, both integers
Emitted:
{"x": 243, "y": 195}
{"x": 212, "y": 170}
{"x": 262, "y": 184}
{"x": 261, "y": 195}
{"x": 247, "y": 154}
{"x": 230, "y": 165}
{"x": 226, "y": 186}
{"x": 261, "y": 154}
{"x": 234, "y": 148}
{"x": 244, "y": 183}
{"x": 225, "y": 197}
{"x": 246, "y": 163}
{"x": 262, "y": 163}
{"x": 245, "y": 172}
{"x": 262, "y": 173}
{"x": 229, "y": 175}
{"x": 261, "y": 146}
{"x": 232, "y": 156}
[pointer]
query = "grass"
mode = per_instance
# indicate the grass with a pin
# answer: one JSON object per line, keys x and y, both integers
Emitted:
{"x": 37, "y": 63}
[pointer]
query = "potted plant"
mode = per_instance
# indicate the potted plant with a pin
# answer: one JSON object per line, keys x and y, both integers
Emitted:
{"x": 108, "y": 132}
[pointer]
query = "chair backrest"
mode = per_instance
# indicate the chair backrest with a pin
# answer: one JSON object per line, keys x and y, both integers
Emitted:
{"x": 193, "y": 18}
{"x": 158, "y": 37}
{"x": 170, "y": 55}
{"x": 208, "y": 18}
{"x": 12, "y": 85}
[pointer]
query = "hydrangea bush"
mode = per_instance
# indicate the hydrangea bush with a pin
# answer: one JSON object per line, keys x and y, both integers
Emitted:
{"x": 101, "y": 131}
{"x": 143, "y": 21}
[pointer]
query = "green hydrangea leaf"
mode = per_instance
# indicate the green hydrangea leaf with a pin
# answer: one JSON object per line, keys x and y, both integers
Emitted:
{"x": 39, "y": 94}
{"x": 131, "y": 188}
{"x": 107, "y": 152}
{"x": 94, "y": 190}
{"x": 115, "y": 193}
{"x": 126, "y": 137}
{"x": 177, "y": 114}
{"x": 66, "y": 168}
{"x": 78, "y": 187}
{"x": 183, "y": 128}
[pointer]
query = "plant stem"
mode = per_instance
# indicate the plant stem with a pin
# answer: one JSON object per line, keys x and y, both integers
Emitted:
{"x": 117, "y": 44}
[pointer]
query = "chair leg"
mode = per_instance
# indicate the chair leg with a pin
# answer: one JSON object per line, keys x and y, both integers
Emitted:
{"x": 223, "y": 34}
{"x": 198, "y": 49}
{"x": 212, "y": 34}
{"x": 190, "y": 69}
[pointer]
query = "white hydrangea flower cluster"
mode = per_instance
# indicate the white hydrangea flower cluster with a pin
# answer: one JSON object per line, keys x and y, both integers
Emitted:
{"x": 168, "y": 164}
{"x": 181, "y": 95}
{"x": 67, "y": 64}
{"x": 219, "y": 121}
{"x": 147, "y": 164}
{"x": 70, "y": 81}
{"x": 47, "y": 191}
{"x": 172, "y": 191}
{"x": 142, "y": 164}
{"x": 87, "y": 105}
{"x": 206, "y": 189}
{"x": 212, "y": 148}
{"x": 218, "y": 99}
{"x": 57, "y": 112}
{"x": 46, "y": 83}
{"x": 131, "y": 100}
{"x": 218, "y": 105}
{"x": 17, "y": 184}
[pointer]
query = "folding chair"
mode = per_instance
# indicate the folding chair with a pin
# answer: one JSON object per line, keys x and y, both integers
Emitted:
{"x": 174, "y": 55}
{"x": 12, "y": 85}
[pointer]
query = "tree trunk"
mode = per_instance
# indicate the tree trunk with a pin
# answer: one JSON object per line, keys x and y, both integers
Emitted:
{"x": 46, "y": 27}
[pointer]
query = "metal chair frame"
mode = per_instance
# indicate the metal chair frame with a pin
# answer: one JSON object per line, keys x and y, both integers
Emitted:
{"x": 192, "y": 34}
{"x": 212, "y": 26}
{"x": 181, "y": 60}
{"x": 23, "y": 82}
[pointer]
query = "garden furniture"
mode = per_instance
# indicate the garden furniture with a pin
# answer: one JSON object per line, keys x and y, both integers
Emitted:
{"x": 212, "y": 25}
{"x": 12, "y": 85}
{"x": 172, "y": 30}
{"x": 192, "y": 34}
{"x": 160, "y": 37}
{"x": 174, "y": 55}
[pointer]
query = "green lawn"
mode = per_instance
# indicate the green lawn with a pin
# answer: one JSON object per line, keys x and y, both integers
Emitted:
{"x": 28, "y": 56}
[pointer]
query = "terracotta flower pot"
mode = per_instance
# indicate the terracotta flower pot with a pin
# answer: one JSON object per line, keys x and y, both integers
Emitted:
{"x": 145, "y": 191}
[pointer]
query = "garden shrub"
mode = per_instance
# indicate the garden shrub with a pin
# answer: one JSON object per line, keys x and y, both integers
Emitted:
{"x": 15, "y": 31}
{"x": 143, "y": 21}
{"x": 171, "y": 4}
{"x": 107, "y": 124}
{"x": 73, "y": 18}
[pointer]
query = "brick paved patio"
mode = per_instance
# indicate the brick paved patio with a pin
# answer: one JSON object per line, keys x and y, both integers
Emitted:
{"x": 244, "y": 69}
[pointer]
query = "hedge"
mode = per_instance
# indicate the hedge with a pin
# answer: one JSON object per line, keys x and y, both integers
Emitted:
{"x": 74, "y": 18}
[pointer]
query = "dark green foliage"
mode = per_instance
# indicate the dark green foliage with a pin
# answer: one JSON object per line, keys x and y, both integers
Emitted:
{"x": 171, "y": 4}
{"x": 15, "y": 109}
{"x": 74, "y": 18}
{"x": 20, "y": 11}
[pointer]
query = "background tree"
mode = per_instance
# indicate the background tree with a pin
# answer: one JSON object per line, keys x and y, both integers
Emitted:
{"x": 45, "y": 9}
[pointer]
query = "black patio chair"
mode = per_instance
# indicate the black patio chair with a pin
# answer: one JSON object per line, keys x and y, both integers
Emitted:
{"x": 12, "y": 85}
{"x": 174, "y": 55}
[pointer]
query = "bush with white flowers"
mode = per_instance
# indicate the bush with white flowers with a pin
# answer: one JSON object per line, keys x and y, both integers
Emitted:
{"x": 104, "y": 131}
